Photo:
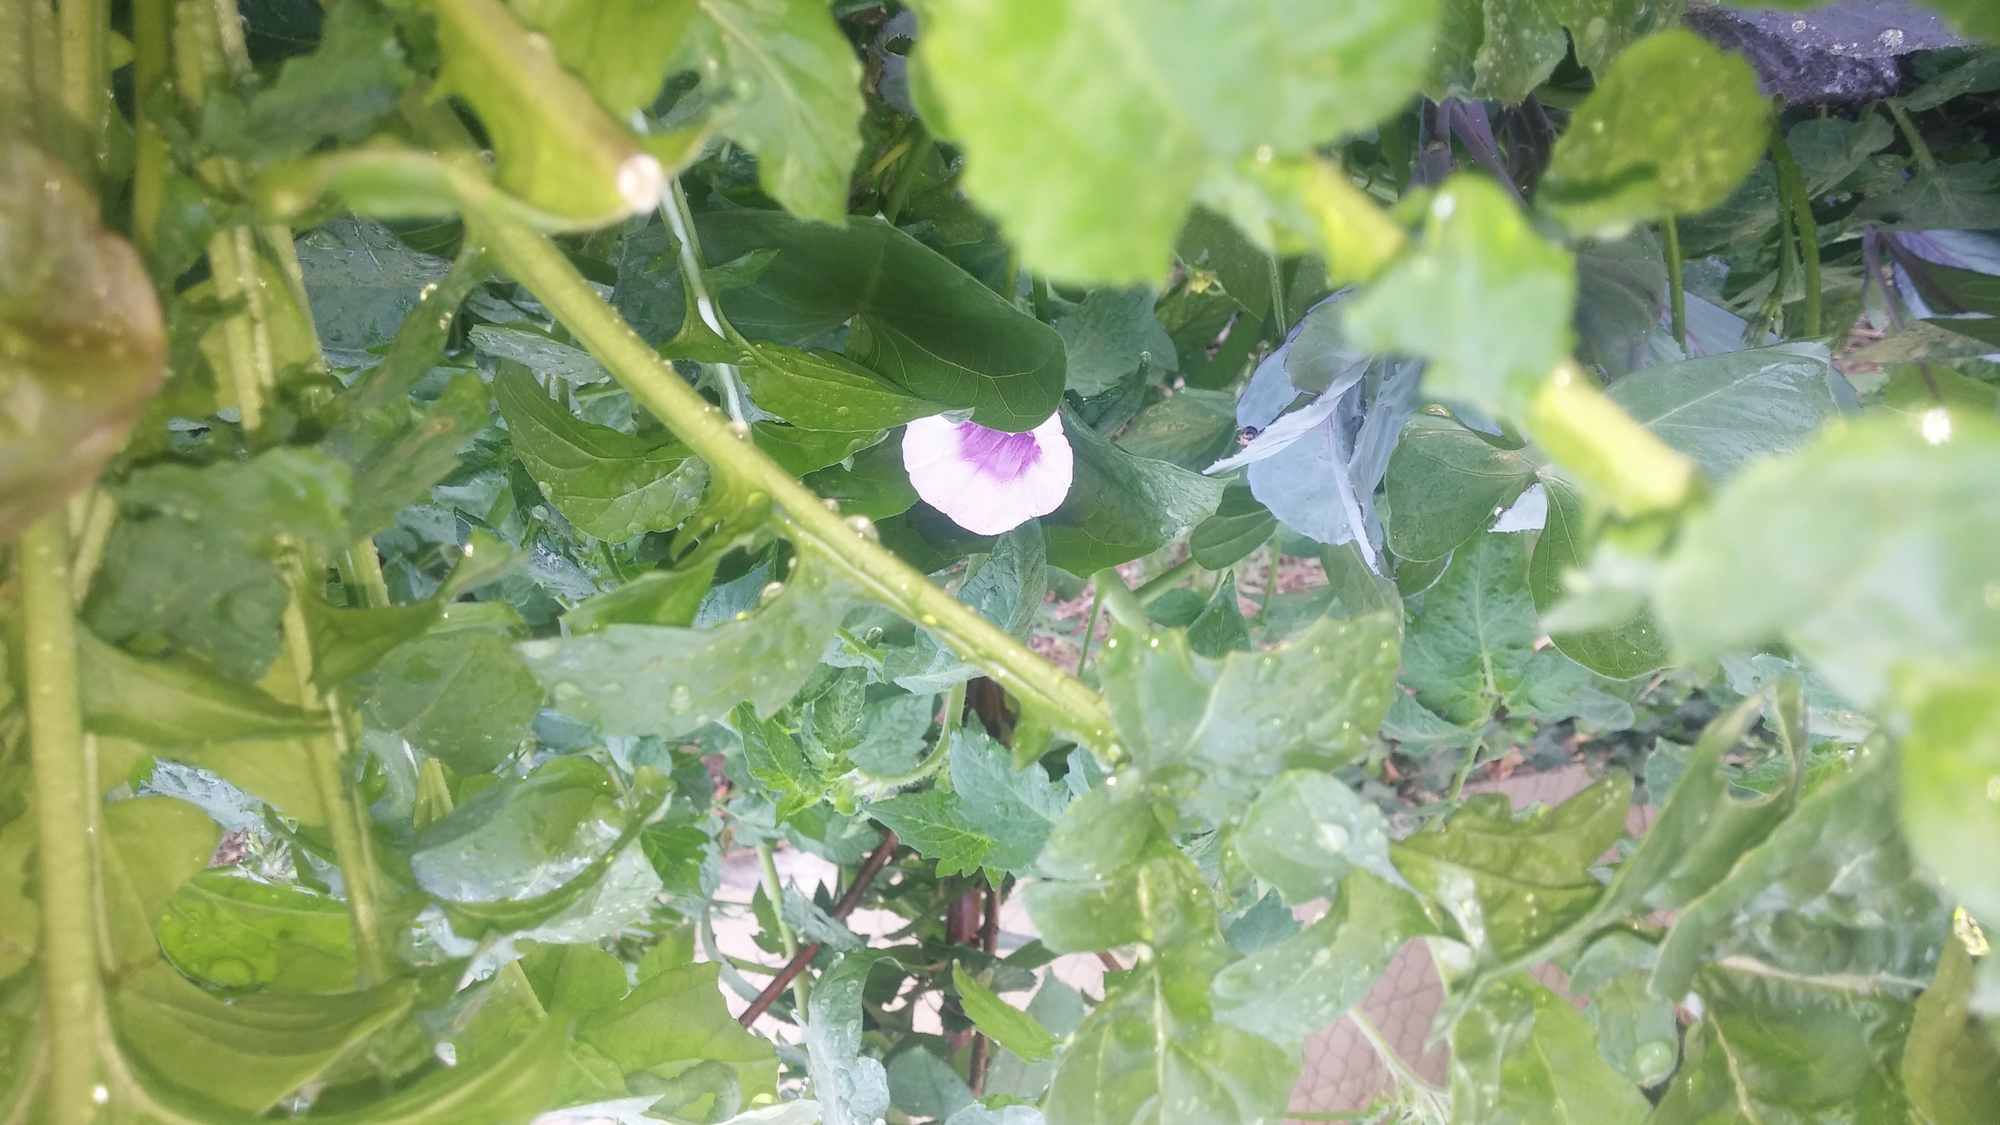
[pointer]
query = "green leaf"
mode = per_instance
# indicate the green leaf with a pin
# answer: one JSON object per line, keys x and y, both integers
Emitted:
{"x": 1121, "y": 507}
{"x": 1673, "y": 126}
{"x": 1153, "y": 1053}
{"x": 1015, "y": 807}
{"x": 398, "y": 453}
{"x": 176, "y": 701}
{"x": 1511, "y": 883}
{"x": 609, "y": 484}
{"x": 1479, "y": 294}
{"x": 348, "y": 642}
{"x": 361, "y": 283}
{"x": 1090, "y": 159}
{"x": 797, "y": 102}
{"x": 1104, "y": 830}
{"x": 1446, "y": 484}
{"x": 556, "y": 147}
{"x": 660, "y": 597}
{"x": 800, "y": 451}
{"x": 1162, "y": 900}
{"x": 822, "y": 390}
{"x": 675, "y": 1022}
{"x": 934, "y": 823}
{"x": 1951, "y": 1069}
{"x": 1861, "y": 552}
{"x": 1191, "y": 428}
{"x": 874, "y": 485}
{"x": 1620, "y": 652}
{"x": 1111, "y": 335}
{"x": 1239, "y": 526}
{"x": 1950, "y": 758}
{"x": 621, "y": 50}
{"x": 463, "y": 697}
{"x": 1770, "y": 1049}
{"x": 1784, "y": 907}
{"x": 918, "y": 319}
{"x": 155, "y": 844}
{"x": 1470, "y": 641}
{"x": 249, "y": 1052}
{"x": 1306, "y": 830}
{"x": 513, "y": 1082}
{"x": 777, "y": 762}
{"x": 1504, "y": 49}
{"x": 1219, "y": 628}
{"x": 1005, "y": 1024}
{"x": 1300, "y": 986}
{"x": 667, "y": 681}
{"x": 237, "y": 933}
{"x": 1217, "y": 731}
{"x": 852, "y": 1088}
{"x": 341, "y": 90}
{"x": 1636, "y": 1031}
{"x": 283, "y": 494}
{"x": 1950, "y": 196}
{"x": 1726, "y": 411}
{"x": 1523, "y": 1054}
{"x": 82, "y": 346}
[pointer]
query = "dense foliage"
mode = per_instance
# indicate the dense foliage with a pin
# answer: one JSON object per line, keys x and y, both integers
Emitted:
{"x": 454, "y": 458}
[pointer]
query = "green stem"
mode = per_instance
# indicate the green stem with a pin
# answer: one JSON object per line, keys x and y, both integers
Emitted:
{"x": 948, "y": 721}
{"x": 1089, "y": 629}
{"x": 1791, "y": 185}
{"x": 361, "y": 569}
{"x": 536, "y": 263}
{"x": 1159, "y": 584}
{"x": 1922, "y": 151}
{"x": 65, "y": 808}
{"x": 906, "y": 176}
{"x": 86, "y": 72}
{"x": 100, "y": 511}
{"x": 774, "y": 892}
{"x": 1281, "y": 318}
{"x": 1270, "y": 578}
{"x": 152, "y": 25}
{"x": 1125, "y": 607}
{"x": 674, "y": 207}
{"x": 1676, "y": 281}
{"x": 1465, "y": 768}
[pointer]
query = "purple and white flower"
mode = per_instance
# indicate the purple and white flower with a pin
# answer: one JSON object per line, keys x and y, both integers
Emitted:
{"x": 988, "y": 481}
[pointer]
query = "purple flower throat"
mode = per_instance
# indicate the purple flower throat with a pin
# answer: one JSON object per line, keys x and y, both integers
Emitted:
{"x": 998, "y": 454}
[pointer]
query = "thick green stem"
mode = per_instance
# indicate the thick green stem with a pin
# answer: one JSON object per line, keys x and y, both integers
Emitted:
{"x": 1126, "y": 608}
{"x": 850, "y": 546}
{"x": 152, "y": 27}
{"x": 1922, "y": 151}
{"x": 64, "y": 817}
{"x": 1792, "y": 186}
{"x": 774, "y": 892}
{"x": 85, "y": 27}
{"x": 1159, "y": 584}
{"x": 1676, "y": 281}
{"x": 688, "y": 243}
{"x": 1593, "y": 437}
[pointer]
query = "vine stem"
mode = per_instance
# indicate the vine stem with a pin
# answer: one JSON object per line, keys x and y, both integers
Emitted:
{"x": 538, "y": 264}
{"x": 871, "y": 867}
{"x": 86, "y": 70}
{"x": 64, "y": 805}
{"x": 1676, "y": 281}
{"x": 674, "y": 207}
{"x": 774, "y": 892}
{"x": 1925, "y": 159}
{"x": 1791, "y": 185}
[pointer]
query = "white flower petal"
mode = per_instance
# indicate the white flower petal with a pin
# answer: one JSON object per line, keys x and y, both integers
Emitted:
{"x": 976, "y": 501}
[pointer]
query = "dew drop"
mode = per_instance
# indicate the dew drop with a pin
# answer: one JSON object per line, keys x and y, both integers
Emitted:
{"x": 680, "y": 699}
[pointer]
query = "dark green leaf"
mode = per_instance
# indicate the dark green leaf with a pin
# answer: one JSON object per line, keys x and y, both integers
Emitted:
{"x": 1121, "y": 507}
{"x": 1191, "y": 428}
{"x": 1007, "y": 1025}
{"x": 609, "y": 484}
{"x": 918, "y": 319}
{"x": 1239, "y": 526}
{"x": 168, "y": 584}
{"x": 350, "y": 81}
{"x": 1505, "y": 48}
{"x": 1619, "y": 652}
{"x": 823, "y": 390}
{"x": 1673, "y": 126}
{"x": 1111, "y": 335}
{"x": 875, "y": 486}
{"x": 1219, "y": 628}
{"x": 1446, "y": 484}
{"x": 934, "y": 823}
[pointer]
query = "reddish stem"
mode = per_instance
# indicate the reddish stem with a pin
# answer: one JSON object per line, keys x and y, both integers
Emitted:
{"x": 870, "y": 868}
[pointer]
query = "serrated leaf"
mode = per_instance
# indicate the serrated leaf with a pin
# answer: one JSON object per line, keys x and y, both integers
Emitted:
{"x": 1005, "y": 1024}
{"x": 1674, "y": 124}
{"x": 667, "y": 681}
{"x": 1510, "y": 883}
{"x": 1480, "y": 295}
{"x": 1218, "y": 730}
{"x": 934, "y": 823}
{"x": 919, "y": 320}
{"x": 1299, "y": 986}
{"x": 609, "y": 484}
{"x": 1097, "y": 189}
{"x": 1306, "y": 830}
{"x": 1523, "y": 1054}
